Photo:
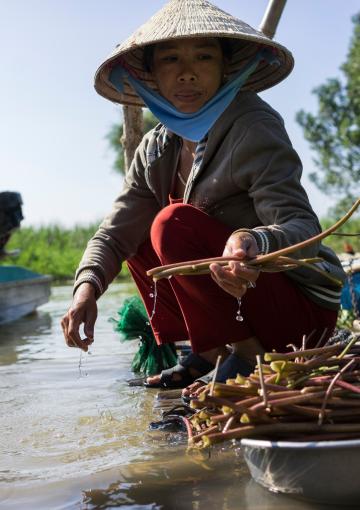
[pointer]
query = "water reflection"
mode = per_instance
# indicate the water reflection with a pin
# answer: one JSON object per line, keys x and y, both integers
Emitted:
{"x": 18, "y": 337}
{"x": 180, "y": 482}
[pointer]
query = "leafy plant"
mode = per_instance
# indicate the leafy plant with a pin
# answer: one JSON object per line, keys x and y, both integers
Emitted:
{"x": 334, "y": 131}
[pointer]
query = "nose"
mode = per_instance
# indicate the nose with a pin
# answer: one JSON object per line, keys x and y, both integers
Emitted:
{"x": 187, "y": 74}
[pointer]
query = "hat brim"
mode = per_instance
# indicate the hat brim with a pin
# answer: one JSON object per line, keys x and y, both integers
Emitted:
{"x": 265, "y": 76}
{"x": 180, "y": 19}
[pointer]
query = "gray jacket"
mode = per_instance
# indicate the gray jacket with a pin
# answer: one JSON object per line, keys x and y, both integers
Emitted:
{"x": 249, "y": 179}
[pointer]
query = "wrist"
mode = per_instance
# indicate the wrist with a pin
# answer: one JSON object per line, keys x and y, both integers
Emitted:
{"x": 92, "y": 278}
{"x": 85, "y": 289}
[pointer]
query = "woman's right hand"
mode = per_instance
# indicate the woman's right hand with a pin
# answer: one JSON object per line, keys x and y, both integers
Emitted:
{"x": 82, "y": 310}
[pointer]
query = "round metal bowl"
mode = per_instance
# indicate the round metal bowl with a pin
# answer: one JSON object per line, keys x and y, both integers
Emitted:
{"x": 323, "y": 471}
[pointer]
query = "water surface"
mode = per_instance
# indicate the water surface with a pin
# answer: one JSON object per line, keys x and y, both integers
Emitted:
{"x": 77, "y": 438}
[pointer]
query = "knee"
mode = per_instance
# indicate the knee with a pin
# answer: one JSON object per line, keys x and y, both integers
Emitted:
{"x": 171, "y": 226}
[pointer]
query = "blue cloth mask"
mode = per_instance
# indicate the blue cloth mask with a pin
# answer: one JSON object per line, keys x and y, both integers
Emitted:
{"x": 191, "y": 126}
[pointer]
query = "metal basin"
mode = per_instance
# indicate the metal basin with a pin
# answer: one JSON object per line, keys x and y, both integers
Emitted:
{"x": 323, "y": 471}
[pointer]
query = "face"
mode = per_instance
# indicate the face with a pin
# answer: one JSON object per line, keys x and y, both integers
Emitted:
{"x": 188, "y": 72}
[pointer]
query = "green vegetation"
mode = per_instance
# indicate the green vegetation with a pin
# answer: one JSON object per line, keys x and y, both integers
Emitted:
{"x": 339, "y": 243}
{"x": 334, "y": 131}
{"x": 115, "y": 135}
{"x": 51, "y": 250}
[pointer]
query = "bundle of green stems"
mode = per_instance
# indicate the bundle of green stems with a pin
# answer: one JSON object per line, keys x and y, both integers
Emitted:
{"x": 305, "y": 394}
{"x": 271, "y": 262}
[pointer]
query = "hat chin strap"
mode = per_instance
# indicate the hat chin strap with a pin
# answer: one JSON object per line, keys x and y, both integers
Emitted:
{"x": 191, "y": 126}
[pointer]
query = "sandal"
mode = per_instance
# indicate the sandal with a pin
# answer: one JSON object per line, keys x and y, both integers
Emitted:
{"x": 194, "y": 361}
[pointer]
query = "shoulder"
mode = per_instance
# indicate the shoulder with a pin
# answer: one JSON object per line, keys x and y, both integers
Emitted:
{"x": 245, "y": 112}
{"x": 149, "y": 138}
{"x": 250, "y": 109}
{"x": 154, "y": 143}
{"x": 256, "y": 121}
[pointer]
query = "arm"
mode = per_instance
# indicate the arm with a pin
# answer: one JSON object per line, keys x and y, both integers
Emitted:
{"x": 266, "y": 165}
{"x": 122, "y": 231}
{"x": 117, "y": 238}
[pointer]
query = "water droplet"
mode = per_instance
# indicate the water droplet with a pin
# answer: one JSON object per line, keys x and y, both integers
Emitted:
{"x": 151, "y": 294}
{"x": 155, "y": 296}
{"x": 239, "y": 317}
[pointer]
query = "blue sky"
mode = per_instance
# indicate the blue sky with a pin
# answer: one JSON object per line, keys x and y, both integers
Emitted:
{"x": 53, "y": 124}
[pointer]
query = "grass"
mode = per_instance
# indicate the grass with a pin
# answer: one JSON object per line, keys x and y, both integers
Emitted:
{"x": 52, "y": 249}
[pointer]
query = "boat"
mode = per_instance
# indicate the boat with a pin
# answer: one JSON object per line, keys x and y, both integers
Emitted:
{"x": 21, "y": 290}
{"x": 350, "y": 295}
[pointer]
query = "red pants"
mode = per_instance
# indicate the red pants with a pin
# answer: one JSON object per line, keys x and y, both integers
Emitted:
{"x": 196, "y": 308}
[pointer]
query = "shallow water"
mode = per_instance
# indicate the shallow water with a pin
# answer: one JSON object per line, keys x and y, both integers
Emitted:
{"x": 77, "y": 438}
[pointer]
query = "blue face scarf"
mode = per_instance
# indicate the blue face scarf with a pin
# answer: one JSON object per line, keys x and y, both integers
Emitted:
{"x": 191, "y": 126}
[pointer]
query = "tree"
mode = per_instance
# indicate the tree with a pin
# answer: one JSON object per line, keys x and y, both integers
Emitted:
{"x": 115, "y": 136}
{"x": 334, "y": 132}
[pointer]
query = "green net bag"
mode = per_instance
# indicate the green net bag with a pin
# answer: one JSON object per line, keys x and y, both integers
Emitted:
{"x": 134, "y": 324}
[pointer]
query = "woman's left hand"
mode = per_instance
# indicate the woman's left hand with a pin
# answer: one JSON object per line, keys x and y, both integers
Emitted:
{"x": 236, "y": 279}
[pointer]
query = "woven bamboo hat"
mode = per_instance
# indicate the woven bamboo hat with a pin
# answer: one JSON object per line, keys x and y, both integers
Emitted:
{"x": 180, "y": 19}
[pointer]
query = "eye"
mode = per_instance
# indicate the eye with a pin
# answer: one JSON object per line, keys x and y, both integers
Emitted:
{"x": 205, "y": 56}
{"x": 169, "y": 58}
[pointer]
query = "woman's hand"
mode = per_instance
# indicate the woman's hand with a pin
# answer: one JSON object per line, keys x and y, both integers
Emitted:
{"x": 236, "y": 279}
{"x": 82, "y": 310}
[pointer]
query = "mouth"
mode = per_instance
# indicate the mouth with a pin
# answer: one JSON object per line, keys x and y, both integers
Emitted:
{"x": 188, "y": 97}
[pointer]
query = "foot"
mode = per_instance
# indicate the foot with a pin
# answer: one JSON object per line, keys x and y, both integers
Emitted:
{"x": 193, "y": 366}
{"x": 248, "y": 349}
{"x": 229, "y": 369}
{"x": 176, "y": 377}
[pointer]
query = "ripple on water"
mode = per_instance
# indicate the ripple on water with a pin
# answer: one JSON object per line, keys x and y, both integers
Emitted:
{"x": 82, "y": 442}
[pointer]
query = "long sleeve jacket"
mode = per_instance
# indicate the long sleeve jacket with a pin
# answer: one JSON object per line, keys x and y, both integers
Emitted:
{"x": 249, "y": 178}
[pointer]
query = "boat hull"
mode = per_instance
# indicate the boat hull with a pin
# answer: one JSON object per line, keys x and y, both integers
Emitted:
{"x": 21, "y": 292}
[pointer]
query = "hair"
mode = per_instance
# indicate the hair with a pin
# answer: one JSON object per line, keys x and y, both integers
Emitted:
{"x": 148, "y": 55}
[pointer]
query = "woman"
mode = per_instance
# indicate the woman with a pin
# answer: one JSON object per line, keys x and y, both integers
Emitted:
{"x": 217, "y": 176}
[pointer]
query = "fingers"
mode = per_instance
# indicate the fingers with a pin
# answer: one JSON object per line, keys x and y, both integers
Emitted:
{"x": 89, "y": 325}
{"x": 73, "y": 332}
{"x": 65, "y": 326}
{"x": 71, "y": 324}
{"x": 235, "y": 290}
{"x": 234, "y": 279}
{"x": 82, "y": 311}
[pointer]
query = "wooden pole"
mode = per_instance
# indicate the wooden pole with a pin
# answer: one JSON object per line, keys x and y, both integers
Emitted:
{"x": 272, "y": 17}
{"x": 132, "y": 132}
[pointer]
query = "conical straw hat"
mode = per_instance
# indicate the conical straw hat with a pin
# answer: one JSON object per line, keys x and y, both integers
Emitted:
{"x": 180, "y": 19}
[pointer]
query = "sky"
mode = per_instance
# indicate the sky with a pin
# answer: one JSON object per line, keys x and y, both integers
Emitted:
{"x": 53, "y": 125}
